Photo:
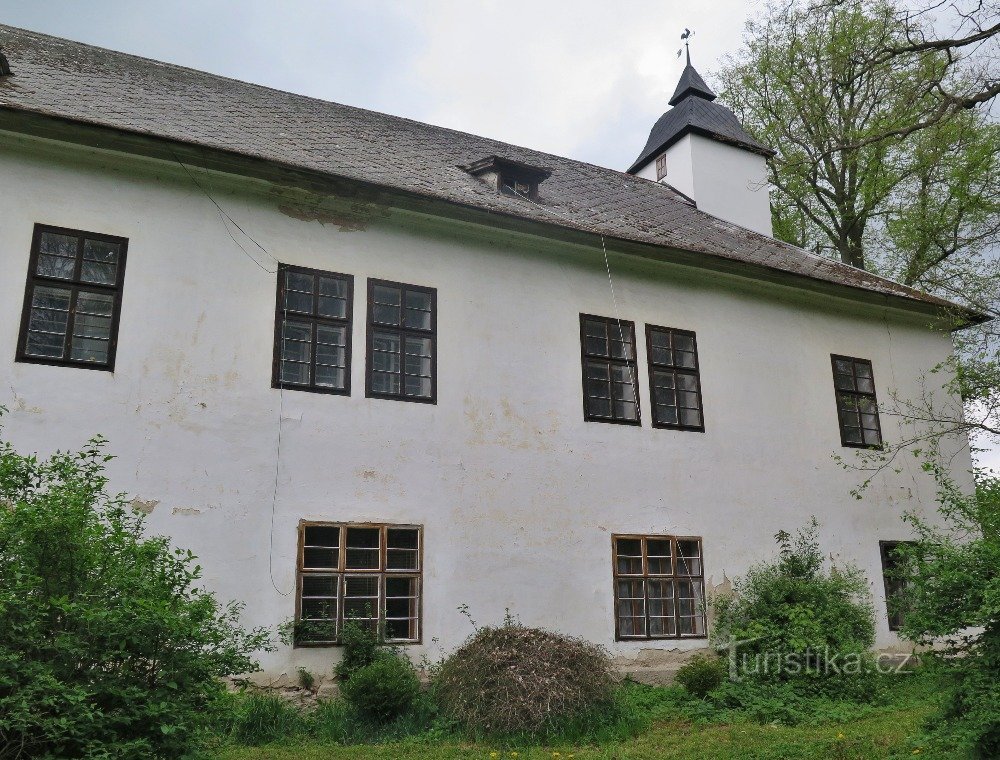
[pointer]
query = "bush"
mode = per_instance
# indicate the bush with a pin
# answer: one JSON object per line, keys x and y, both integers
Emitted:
{"x": 790, "y": 619}
{"x": 361, "y": 647}
{"x": 261, "y": 718}
{"x": 108, "y": 648}
{"x": 702, "y": 674}
{"x": 513, "y": 680}
{"x": 383, "y": 690}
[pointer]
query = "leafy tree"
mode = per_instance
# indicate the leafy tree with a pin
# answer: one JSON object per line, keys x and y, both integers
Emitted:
{"x": 952, "y": 604}
{"x": 919, "y": 208}
{"x": 109, "y": 647}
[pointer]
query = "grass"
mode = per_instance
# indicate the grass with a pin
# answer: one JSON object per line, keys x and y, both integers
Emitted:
{"x": 883, "y": 732}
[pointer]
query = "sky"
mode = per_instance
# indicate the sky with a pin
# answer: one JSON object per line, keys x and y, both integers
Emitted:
{"x": 580, "y": 78}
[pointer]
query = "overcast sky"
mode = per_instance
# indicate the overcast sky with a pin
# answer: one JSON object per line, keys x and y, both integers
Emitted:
{"x": 580, "y": 78}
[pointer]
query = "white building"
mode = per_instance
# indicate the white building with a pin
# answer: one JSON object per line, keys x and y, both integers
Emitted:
{"x": 404, "y": 387}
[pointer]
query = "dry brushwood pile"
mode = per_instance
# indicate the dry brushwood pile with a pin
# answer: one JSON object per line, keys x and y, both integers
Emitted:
{"x": 517, "y": 680}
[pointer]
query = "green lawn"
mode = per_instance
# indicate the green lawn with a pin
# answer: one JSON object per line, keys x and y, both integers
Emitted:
{"x": 889, "y": 733}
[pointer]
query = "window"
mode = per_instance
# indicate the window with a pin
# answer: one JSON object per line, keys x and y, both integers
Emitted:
{"x": 368, "y": 573}
{"x": 72, "y": 299}
{"x": 312, "y": 334}
{"x": 661, "y": 166}
{"x": 659, "y": 587}
{"x": 856, "y": 402}
{"x": 895, "y": 579}
{"x": 610, "y": 387}
{"x": 402, "y": 327}
{"x": 674, "y": 383}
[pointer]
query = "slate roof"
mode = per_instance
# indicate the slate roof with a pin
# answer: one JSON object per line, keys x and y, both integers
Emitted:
{"x": 694, "y": 111}
{"x": 90, "y": 85}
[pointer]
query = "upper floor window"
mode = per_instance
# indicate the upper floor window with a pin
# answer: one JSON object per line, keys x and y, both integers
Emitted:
{"x": 312, "y": 334}
{"x": 895, "y": 580}
{"x": 674, "y": 383}
{"x": 661, "y": 166}
{"x": 509, "y": 177}
{"x": 857, "y": 406}
{"x": 402, "y": 338}
{"x": 610, "y": 386}
{"x": 367, "y": 573}
{"x": 659, "y": 587}
{"x": 72, "y": 300}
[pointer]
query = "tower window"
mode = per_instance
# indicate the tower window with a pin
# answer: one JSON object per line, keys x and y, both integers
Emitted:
{"x": 661, "y": 166}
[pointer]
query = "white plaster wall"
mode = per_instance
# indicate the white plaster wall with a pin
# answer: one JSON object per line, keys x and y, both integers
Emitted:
{"x": 725, "y": 181}
{"x": 517, "y": 494}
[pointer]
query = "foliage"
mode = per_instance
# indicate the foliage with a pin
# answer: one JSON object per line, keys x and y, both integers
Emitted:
{"x": 306, "y": 679}
{"x": 109, "y": 647}
{"x": 256, "y": 717}
{"x": 920, "y": 207}
{"x": 511, "y": 680}
{"x": 361, "y": 647}
{"x": 791, "y": 619}
{"x": 701, "y": 674}
{"x": 953, "y": 602}
{"x": 383, "y": 690}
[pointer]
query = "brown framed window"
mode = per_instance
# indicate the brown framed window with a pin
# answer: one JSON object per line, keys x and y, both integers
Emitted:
{"x": 72, "y": 299}
{"x": 659, "y": 587}
{"x": 610, "y": 383}
{"x": 369, "y": 573}
{"x": 896, "y": 581}
{"x": 661, "y": 166}
{"x": 857, "y": 406}
{"x": 674, "y": 379}
{"x": 402, "y": 342}
{"x": 312, "y": 330}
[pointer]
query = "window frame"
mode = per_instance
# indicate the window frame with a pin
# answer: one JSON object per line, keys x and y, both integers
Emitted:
{"x": 342, "y": 573}
{"x": 661, "y": 166}
{"x": 634, "y": 364}
{"x": 673, "y": 577}
{"x": 884, "y": 548}
{"x": 371, "y": 326}
{"x": 314, "y": 319}
{"x": 834, "y": 358}
{"x": 653, "y": 367}
{"x": 74, "y": 285}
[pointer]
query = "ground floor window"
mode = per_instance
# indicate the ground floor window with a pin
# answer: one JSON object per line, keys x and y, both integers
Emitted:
{"x": 896, "y": 581}
{"x": 371, "y": 573}
{"x": 659, "y": 587}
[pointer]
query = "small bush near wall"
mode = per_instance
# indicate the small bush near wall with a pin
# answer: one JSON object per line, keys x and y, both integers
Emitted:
{"x": 108, "y": 649}
{"x": 793, "y": 619}
{"x": 512, "y": 680}
{"x": 384, "y": 690}
{"x": 702, "y": 674}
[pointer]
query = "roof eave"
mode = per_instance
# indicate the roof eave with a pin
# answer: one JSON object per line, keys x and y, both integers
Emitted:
{"x": 691, "y": 129}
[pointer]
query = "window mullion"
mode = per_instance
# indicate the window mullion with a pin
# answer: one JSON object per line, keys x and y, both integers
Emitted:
{"x": 70, "y": 323}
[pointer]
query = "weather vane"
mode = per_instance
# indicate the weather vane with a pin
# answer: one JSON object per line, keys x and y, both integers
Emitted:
{"x": 688, "y": 34}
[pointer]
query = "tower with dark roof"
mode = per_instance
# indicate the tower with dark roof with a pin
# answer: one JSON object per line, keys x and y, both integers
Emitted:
{"x": 700, "y": 148}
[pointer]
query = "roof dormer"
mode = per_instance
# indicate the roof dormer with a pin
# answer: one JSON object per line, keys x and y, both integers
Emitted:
{"x": 509, "y": 177}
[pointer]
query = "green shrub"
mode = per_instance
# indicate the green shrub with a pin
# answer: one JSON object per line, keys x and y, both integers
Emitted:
{"x": 790, "y": 619}
{"x": 360, "y": 648}
{"x": 383, "y": 690}
{"x": 108, "y": 649}
{"x": 260, "y": 718}
{"x": 701, "y": 674}
{"x": 513, "y": 680}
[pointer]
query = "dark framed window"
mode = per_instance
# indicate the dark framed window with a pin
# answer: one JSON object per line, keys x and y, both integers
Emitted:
{"x": 674, "y": 379}
{"x": 661, "y": 166}
{"x": 896, "y": 580}
{"x": 369, "y": 573}
{"x": 659, "y": 587}
{"x": 72, "y": 299}
{"x": 312, "y": 330}
{"x": 402, "y": 342}
{"x": 610, "y": 381}
{"x": 857, "y": 406}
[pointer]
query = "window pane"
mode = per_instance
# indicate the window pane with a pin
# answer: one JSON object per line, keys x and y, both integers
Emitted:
{"x": 386, "y": 305}
{"x": 100, "y": 262}
{"x": 418, "y": 310}
{"x": 401, "y": 607}
{"x": 333, "y": 295}
{"x": 48, "y": 322}
{"x": 89, "y": 350}
{"x": 662, "y": 621}
{"x": 362, "y": 548}
{"x": 361, "y": 597}
{"x": 386, "y": 352}
{"x": 45, "y": 344}
{"x": 295, "y": 301}
{"x": 688, "y": 557}
{"x": 292, "y": 372}
{"x": 658, "y": 556}
{"x": 402, "y": 548}
{"x": 321, "y": 547}
{"x": 385, "y": 383}
{"x": 57, "y": 255}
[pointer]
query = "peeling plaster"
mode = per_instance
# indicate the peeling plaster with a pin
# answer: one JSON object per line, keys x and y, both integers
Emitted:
{"x": 185, "y": 511}
{"x": 146, "y": 507}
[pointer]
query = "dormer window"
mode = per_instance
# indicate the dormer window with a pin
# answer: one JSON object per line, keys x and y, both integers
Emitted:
{"x": 661, "y": 166}
{"x": 508, "y": 177}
